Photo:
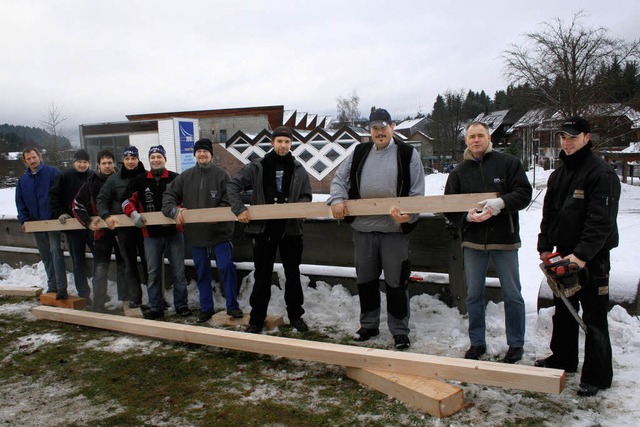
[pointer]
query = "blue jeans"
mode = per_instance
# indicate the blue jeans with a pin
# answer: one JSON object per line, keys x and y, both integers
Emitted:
{"x": 78, "y": 240}
{"x": 224, "y": 262}
{"x": 50, "y": 248}
{"x": 154, "y": 249}
{"x": 476, "y": 263}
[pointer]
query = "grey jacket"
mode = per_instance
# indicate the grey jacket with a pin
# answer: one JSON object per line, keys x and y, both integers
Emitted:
{"x": 379, "y": 179}
{"x": 250, "y": 177}
{"x": 200, "y": 187}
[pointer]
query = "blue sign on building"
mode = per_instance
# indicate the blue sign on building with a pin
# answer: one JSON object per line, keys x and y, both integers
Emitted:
{"x": 186, "y": 134}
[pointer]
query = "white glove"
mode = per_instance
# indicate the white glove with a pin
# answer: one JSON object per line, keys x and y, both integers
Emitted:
{"x": 137, "y": 219}
{"x": 494, "y": 206}
{"x": 63, "y": 218}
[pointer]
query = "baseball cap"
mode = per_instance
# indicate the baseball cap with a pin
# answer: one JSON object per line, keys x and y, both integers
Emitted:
{"x": 575, "y": 126}
{"x": 380, "y": 117}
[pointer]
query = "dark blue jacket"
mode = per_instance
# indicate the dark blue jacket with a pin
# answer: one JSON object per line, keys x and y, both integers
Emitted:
{"x": 32, "y": 193}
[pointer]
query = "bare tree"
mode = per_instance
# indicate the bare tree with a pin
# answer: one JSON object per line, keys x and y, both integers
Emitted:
{"x": 348, "y": 108}
{"x": 53, "y": 124}
{"x": 562, "y": 62}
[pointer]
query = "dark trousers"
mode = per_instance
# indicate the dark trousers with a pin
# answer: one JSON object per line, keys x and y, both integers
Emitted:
{"x": 78, "y": 241}
{"x": 597, "y": 368}
{"x": 131, "y": 244}
{"x": 102, "y": 249}
{"x": 265, "y": 247}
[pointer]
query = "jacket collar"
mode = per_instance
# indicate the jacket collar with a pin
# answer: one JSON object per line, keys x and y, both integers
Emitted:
{"x": 468, "y": 156}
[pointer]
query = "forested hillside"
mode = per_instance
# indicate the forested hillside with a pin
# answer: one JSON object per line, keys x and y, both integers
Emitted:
{"x": 15, "y": 138}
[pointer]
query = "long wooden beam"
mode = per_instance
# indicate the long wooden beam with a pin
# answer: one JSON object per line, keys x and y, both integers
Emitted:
{"x": 474, "y": 371}
{"x": 420, "y": 204}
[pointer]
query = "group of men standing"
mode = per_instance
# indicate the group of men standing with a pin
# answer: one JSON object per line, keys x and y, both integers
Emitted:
{"x": 579, "y": 221}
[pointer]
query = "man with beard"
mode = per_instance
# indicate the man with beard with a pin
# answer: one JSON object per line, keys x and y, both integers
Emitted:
{"x": 199, "y": 187}
{"x": 145, "y": 195}
{"x": 61, "y": 195}
{"x": 105, "y": 241}
{"x": 579, "y": 220}
{"x": 109, "y": 204}
{"x": 276, "y": 178}
{"x": 381, "y": 168}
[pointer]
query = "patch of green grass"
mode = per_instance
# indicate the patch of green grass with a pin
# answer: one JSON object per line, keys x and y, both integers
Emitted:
{"x": 177, "y": 384}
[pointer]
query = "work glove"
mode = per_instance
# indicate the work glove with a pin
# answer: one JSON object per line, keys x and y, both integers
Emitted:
{"x": 63, "y": 218}
{"x": 494, "y": 206}
{"x": 137, "y": 219}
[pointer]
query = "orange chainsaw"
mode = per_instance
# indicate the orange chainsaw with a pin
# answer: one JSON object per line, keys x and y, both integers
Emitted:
{"x": 563, "y": 279}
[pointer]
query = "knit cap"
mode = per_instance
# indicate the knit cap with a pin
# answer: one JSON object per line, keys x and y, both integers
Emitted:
{"x": 130, "y": 151}
{"x": 81, "y": 155}
{"x": 203, "y": 144}
{"x": 158, "y": 149}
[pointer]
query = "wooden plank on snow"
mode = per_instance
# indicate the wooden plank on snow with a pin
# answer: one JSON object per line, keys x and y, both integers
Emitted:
{"x": 75, "y": 303}
{"x": 20, "y": 291}
{"x": 437, "y": 398}
{"x": 420, "y": 204}
{"x": 474, "y": 371}
{"x": 221, "y": 318}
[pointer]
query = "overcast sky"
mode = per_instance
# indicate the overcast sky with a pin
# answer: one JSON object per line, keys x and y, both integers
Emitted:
{"x": 101, "y": 60}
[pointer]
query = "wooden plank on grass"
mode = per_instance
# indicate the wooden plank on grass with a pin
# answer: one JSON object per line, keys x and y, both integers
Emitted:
{"x": 438, "y": 398}
{"x": 421, "y": 204}
{"x": 474, "y": 371}
{"x": 20, "y": 291}
{"x": 75, "y": 303}
{"x": 221, "y": 318}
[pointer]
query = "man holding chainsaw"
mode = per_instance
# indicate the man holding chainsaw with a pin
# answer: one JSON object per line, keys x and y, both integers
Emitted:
{"x": 579, "y": 221}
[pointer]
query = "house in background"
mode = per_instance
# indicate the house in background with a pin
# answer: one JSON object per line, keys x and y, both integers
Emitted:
{"x": 239, "y": 135}
{"x": 613, "y": 128}
{"x": 319, "y": 150}
{"x": 178, "y": 130}
{"x": 413, "y": 126}
{"x": 499, "y": 123}
{"x": 414, "y": 132}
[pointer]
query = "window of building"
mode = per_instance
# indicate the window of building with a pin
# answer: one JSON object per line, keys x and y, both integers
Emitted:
{"x": 115, "y": 144}
{"x": 223, "y": 135}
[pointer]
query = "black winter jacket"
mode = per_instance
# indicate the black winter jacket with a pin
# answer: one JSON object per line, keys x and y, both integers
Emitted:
{"x": 114, "y": 191}
{"x": 580, "y": 207}
{"x": 84, "y": 204}
{"x": 251, "y": 176}
{"x": 495, "y": 172}
{"x": 64, "y": 189}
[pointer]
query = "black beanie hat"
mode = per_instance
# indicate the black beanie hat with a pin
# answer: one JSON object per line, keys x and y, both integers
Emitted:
{"x": 282, "y": 131}
{"x": 81, "y": 154}
{"x": 203, "y": 144}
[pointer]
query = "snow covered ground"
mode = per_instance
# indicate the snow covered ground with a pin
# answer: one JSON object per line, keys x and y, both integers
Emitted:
{"x": 439, "y": 330}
